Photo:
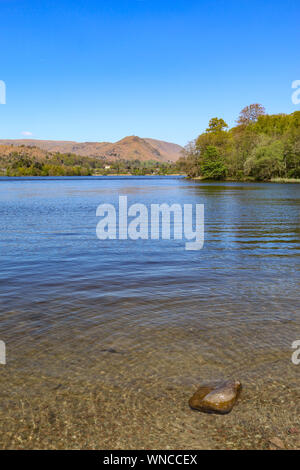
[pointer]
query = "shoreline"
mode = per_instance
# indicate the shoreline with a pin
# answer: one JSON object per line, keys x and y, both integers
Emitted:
{"x": 246, "y": 180}
{"x": 194, "y": 178}
{"x": 88, "y": 176}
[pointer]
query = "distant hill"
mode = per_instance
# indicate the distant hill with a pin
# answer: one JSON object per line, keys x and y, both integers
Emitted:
{"x": 129, "y": 148}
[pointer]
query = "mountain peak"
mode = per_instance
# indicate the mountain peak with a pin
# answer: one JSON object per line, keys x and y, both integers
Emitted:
{"x": 129, "y": 148}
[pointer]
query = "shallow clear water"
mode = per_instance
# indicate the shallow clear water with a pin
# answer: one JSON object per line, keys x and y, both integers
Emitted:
{"x": 127, "y": 312}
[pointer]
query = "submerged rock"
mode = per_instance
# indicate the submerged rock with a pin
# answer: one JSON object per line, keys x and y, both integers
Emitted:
{"x": 216, "y": 398}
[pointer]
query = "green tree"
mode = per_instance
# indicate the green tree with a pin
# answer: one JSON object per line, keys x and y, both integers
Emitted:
{"x": 216, "y": 125}
{"x": 266, "y": 162}
{"x": 212, "y": 165}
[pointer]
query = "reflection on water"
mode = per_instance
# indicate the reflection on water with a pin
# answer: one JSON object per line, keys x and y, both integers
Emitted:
{"x": 123, "y": 312}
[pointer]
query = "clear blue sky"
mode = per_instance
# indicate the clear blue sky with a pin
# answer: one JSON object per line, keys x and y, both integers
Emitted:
{"x": 101, "y": 70}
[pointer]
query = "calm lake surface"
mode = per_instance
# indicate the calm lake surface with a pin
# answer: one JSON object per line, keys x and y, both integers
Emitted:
{"x": 77, "y": 311}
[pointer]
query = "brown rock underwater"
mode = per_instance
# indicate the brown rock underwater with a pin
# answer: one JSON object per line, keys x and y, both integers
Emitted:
{"x": 216, "y": 398}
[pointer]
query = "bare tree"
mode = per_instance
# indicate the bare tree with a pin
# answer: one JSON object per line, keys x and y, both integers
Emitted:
{"x": 251, "y": 114}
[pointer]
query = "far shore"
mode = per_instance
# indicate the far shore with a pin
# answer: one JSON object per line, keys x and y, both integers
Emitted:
{"x": 131, "y": 174}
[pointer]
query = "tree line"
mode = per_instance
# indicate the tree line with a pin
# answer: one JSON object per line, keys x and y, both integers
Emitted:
{"x": 260, "y": 147}
{"x": 22, "y": 162}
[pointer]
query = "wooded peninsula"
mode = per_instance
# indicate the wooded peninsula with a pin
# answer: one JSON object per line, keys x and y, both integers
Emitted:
{"x": 261, "y": 147}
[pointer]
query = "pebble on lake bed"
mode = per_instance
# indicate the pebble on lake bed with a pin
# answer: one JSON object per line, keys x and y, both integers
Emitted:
{"x": 216, "y": 398}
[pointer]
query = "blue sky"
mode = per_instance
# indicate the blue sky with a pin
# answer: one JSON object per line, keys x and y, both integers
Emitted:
{"x": 101, "y": 70}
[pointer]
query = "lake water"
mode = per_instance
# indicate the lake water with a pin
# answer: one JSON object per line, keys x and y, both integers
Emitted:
{"x": 133, "y": 323}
